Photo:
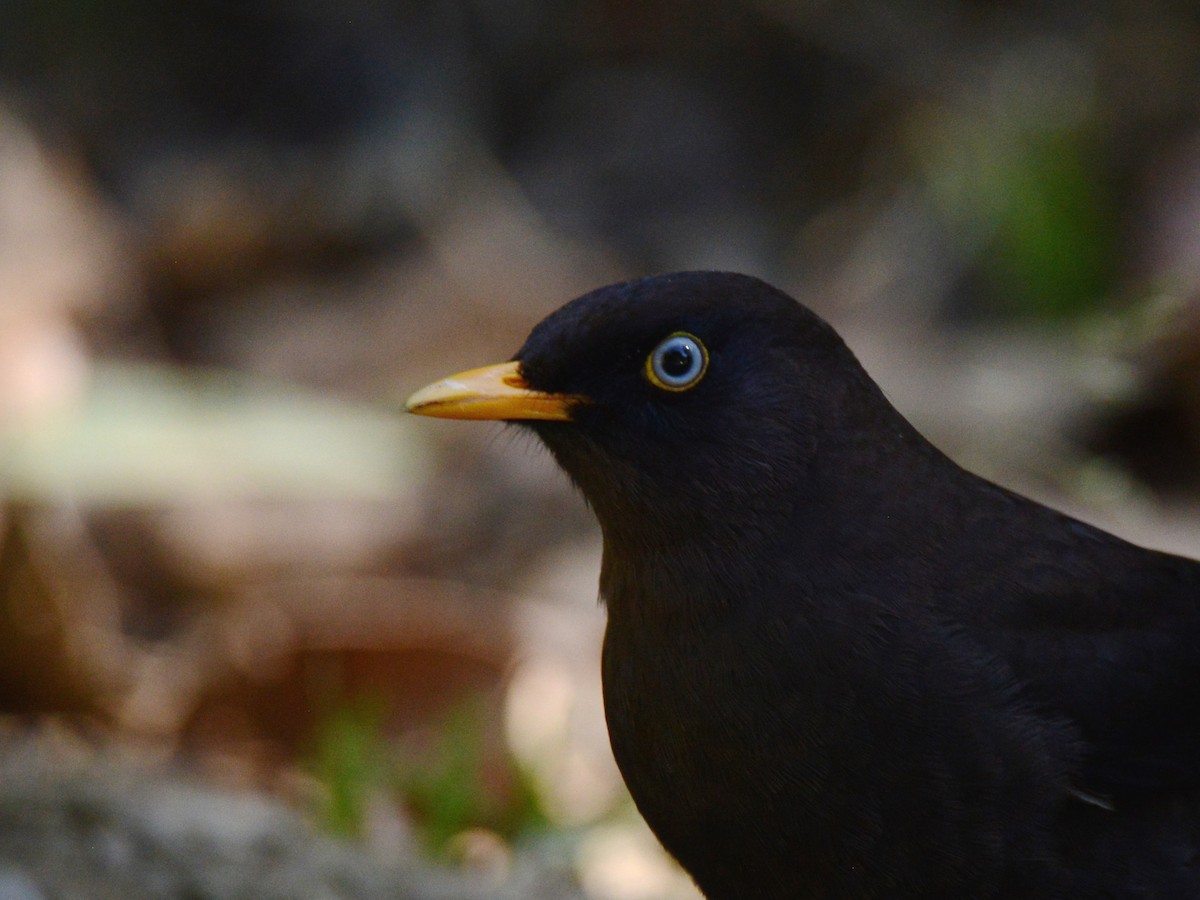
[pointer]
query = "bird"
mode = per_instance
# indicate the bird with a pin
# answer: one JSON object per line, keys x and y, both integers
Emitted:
{"x": 836, "y": 664}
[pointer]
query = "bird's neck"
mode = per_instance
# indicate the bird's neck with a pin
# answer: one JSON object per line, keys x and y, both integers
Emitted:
{"x": 684, "y": 574}
{"x": 834, "y": 522}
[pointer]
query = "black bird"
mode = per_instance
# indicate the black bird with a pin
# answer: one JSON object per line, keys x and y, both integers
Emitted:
{"x": 836, "y": 664}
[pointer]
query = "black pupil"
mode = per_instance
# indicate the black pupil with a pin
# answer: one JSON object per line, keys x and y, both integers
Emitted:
{"x": 677, "y": 360}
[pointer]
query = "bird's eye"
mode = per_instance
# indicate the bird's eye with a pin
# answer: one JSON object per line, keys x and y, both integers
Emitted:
{"x": 678, "y": 363}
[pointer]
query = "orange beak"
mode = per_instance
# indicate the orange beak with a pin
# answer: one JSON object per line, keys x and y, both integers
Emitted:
{"x": 493, "y": 392}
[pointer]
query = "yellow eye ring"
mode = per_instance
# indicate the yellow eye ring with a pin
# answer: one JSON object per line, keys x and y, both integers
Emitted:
{"x": 677, "y": 363}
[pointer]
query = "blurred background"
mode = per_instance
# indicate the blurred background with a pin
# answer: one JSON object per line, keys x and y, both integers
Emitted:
{"x": 262, "y": 636}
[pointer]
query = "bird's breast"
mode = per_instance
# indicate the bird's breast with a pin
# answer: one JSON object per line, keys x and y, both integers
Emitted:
{"x": 698, "y": 715}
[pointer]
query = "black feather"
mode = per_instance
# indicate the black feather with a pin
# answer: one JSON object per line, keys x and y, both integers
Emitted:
{"x": 837, "y": 665}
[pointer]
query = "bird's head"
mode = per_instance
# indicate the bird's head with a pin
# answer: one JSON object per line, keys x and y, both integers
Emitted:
{"x": 676, "y": 401}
